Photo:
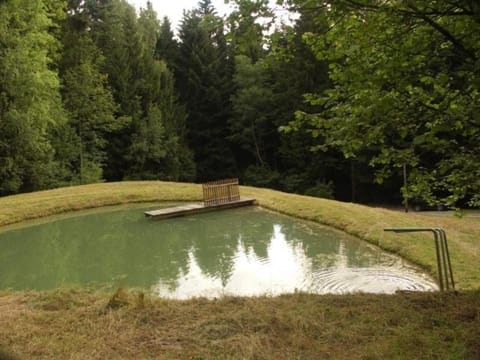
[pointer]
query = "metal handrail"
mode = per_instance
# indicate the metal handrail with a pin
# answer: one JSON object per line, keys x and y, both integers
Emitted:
{"x": 444, "y": 265}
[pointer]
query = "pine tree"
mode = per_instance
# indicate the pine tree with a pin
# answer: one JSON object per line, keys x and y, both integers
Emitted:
{"x": 153, "y": 145}
{"x": 166, "y": 48}
{"x": 88, "y": 101}
{"x": 158, "y": 149}
{"x": 204, "y": 80}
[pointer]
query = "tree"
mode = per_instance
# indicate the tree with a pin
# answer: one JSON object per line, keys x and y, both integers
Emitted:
{"x": 166, "y": 48}
{"x": 158, "y": 149}
{"x": 30, "y": 101}
{"x": 246, "y": 26}
{"x": 88, "y": 101}
{"x": 405, "y": 91}
{"x": 250, "y": 123}
{"x": 114, "y": 31}
{"x": 204, "y": 81}
{"x": 152, "y": 146}
{"x": 267, "y": 93}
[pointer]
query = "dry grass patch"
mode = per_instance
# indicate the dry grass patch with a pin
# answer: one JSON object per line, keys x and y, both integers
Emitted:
{"x": 82, "y": 324}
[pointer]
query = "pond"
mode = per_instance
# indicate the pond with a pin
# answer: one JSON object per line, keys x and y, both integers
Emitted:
{"x": 245, "y": 252}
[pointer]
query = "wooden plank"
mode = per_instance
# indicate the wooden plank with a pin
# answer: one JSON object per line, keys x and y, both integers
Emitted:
{"x": 174, "y": 210}
{"x": 191, "y": 209}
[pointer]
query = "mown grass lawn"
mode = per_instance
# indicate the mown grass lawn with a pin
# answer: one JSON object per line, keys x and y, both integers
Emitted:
{"x": 84, "y": 324}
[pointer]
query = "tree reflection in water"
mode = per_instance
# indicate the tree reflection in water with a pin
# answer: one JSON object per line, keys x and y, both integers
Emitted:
{"x": 287, "y": 268}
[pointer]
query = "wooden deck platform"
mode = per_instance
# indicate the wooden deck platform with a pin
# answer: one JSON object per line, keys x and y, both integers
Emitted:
{"x": 191, "y": 209}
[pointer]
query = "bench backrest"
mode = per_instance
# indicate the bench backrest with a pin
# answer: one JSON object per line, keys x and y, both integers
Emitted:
{"x": 220, "y": 192}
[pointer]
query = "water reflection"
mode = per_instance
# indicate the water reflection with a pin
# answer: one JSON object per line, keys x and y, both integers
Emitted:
{"x": 287, "y": 268}
{"x": 244, "y": 252}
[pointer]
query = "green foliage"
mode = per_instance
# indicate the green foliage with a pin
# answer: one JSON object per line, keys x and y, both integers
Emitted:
{"x": 115, "y": 115}
{"x": 166, "y": 47}
{"x": 321, "y": 190}
{"x": 251, "y": 120}
{"x": 153, "y": 146}
{"x": 261, "y": 176}
{"x": 246, "y": 26}
{"x": 157, "y": 150}
{"x": 204, "y": 81}
{"x": 405, "y": 89}
{"x": 91, "y": 91}
{"x": 89, "y": 103}
{"x": 149, "y": 148}
{"x": 293, "y": 70}
{"x": 29, "y": 94}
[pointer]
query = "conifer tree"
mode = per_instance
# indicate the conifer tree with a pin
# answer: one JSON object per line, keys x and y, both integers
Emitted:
{"x": 204, "y": 80}
{"x": 166, "y": 48}
{"x": 87, "y": 100}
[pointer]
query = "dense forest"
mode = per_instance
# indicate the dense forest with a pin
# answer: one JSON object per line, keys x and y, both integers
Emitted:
{"x": 342, "y": 103}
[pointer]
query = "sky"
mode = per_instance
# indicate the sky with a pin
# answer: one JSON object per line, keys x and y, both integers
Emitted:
{"x": 174, "y": 8}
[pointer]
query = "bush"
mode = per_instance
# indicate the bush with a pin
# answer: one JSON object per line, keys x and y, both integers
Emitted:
{"x": 261, "y": 176}
{"x": 321, "y": 190}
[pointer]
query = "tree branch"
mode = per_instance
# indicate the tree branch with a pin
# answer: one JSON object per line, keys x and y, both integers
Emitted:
{"x": 449, "y": 36}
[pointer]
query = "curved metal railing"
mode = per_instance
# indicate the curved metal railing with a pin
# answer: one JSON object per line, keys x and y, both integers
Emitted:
{"x": 444, "y": 265}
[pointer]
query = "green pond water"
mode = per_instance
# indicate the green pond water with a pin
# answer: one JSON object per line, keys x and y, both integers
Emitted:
{"x": 245, "y": 252}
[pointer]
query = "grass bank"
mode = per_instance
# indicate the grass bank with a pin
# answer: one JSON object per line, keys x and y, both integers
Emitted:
{"x": 87, "y": 324}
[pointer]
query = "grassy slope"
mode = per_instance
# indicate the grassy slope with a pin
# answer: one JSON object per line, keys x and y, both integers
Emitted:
{"x": 43, "y": 203}
{"x": 81, "y": 324}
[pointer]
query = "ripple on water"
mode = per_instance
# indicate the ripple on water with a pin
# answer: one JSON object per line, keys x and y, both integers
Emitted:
{"x": 369, "y": 280}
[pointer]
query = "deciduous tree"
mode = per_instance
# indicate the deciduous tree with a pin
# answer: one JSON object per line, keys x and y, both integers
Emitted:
{"x": 30, "y": 101}
{"x": 406, "y": 90}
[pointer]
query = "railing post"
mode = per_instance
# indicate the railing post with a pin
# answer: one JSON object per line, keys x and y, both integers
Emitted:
{"x": 444, "y": 266}
{"x": 446, "y": 258}
{"x": 439, "y": 265}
